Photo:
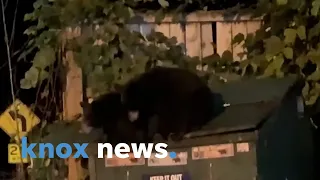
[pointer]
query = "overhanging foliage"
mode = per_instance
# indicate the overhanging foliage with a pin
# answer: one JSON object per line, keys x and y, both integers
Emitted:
{"x": 287, "y": 43}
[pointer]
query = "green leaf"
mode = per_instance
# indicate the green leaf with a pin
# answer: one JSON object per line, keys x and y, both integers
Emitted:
{"x": 314, "y": 31}
{"x": 273, "y": 46}
{"x": 313, "y": 55}
{"x": 274, "y": 66}
{"x": 211, "y": 60}
{"x": 269, "y": 71}
{"x": 282, "y": 2}
{"x": 163, "y": 3}
{"x": 315, "y": 76}
{"x": 131, "y": 12}
{"x": 37, "y": 4}
{"x": 238, "y": 38}
{"x": 249, "y": 41}
{"x": 312, "y": 99}
{"x": 227, "y": 56}
{"x": 279, "y": 73}
{"x": 288, "y": 52}
{"x": 43, "y": 75}
{"x": 290, "y": 35}
{"x": 32, "y": 30}
{"x": 29, "y": 17}
{"x": 32, "y": 75}
{"x": 44, "y": 57}
{"x": 305, "y": 90}
{"x": 159, "y": 16}
{"x": 315, "y": 8}
{"x": 168, "y": 64}
{"x": 243, "y": 65}
{"x": 25, "y": 84}
{"x": 301, "y": 31}
{"x": 301, "y": 60}
{"x": 278, "y": 62}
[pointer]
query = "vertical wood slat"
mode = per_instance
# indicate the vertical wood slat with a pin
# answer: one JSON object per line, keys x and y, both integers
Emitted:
{"x": 175, "y": 30}
{"x": 164, "y": 28}
{"x": 72, "y": 96}
{"x": 73, "y": 173}
{"x": 206, "y": 40}
{"x": 92, "y": 167}
{"x": 193, "y": 39}
{"x": 223, "y": 37}
{"x": 253, "y": 26}
{"x": 238, "y": 27}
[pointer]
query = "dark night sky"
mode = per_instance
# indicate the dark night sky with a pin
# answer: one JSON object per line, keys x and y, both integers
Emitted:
{"x": 27, "y": 96}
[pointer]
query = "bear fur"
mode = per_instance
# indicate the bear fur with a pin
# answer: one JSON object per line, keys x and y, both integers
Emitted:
{"x": 108, "y": 113}
{"x": 178, "y": 99}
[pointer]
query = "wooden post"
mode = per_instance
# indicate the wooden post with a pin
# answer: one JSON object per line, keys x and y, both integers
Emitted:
{"x": 72, "y": 96}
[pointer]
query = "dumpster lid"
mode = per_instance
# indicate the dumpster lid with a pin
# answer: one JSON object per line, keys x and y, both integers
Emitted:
{"x": 250, "y": 102}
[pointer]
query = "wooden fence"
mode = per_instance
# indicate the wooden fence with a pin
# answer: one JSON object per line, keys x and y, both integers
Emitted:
{"x": 201, "y": 31}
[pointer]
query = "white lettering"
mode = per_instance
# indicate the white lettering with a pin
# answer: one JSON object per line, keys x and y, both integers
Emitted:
{"x": 101, "y": 147}
{"x": 157, "y": 178}
{"x": 167, "y": 177}
{"x": 176, "y": 177}
{"x": 161, "y": 151}
{"x": 122, "y": 148}
{"x": 142, "y": 149}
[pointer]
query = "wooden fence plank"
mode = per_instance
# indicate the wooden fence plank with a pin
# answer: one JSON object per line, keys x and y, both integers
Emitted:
{"x": 193, "y": 39}
{"x": 223, "y": 37}
{"x": 204, "y": 16}
{"x": 238, "y": 27}
{"x": 206, "y": 40}
{"x": 164, "y": 28}
{"x": 253, "y": 26}
{"x": 176, "y": 30}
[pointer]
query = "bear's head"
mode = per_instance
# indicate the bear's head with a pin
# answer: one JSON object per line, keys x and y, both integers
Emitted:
{"x": 108, "y": 112}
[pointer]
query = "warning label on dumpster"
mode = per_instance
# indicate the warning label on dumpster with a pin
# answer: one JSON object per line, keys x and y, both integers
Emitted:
{"x": 212, "y": 151}
{"x": 171, "y": 176}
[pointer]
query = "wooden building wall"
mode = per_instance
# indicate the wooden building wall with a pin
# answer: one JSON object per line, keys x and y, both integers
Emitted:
{"x": 201, "y": 30}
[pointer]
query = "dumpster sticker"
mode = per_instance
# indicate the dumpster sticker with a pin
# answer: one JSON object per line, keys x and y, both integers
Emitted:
{"x": 131, "y": 161}
{"x": 181, "y": 159}
{"x": 213, "y": 151}
{"x": 243, "y": 147}
{"x": 169, "y": 176}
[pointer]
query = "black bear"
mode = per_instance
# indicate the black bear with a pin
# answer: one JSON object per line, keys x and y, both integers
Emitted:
{"x": 108, "y": 113}
{"x": 179, "y": 99}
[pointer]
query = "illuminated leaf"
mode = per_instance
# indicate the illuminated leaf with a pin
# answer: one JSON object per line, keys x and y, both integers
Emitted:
{"x": 290, "y": 35}
{"x": 301, "y": 60}
{"x": 44, "y": 57}
{"x": 315, "y": 76}
{"x": 288, "y": 52}
{"x": 305, "y": 90}
{"x": 315, "y": 8}
{"x": 273, "y": 45}
{"x": 282, "y": 2}
{"x": 163, "y": 3}
{"x": 301, "y": 31}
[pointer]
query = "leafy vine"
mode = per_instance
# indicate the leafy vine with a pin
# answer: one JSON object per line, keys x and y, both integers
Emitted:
{"x": 287, "y": 43}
